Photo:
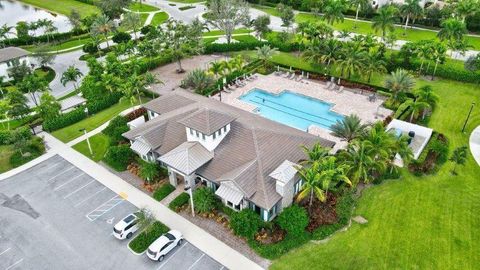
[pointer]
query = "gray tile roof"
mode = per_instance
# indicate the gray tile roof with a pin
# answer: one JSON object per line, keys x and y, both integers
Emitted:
{"x": 187, "y": 157}
{"x": 207, "y": 121}
{"x": 167, "y": 103}
{"x": 253, "y": 149}
{"x": 10, "y": 53}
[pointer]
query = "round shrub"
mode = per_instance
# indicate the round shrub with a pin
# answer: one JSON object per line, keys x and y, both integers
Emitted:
{"x": 115, "y": 129}
{"x": 118, "y": 157}
{"x": 90, "y": 47}
{"x": 146, "y": 29}
{"x": 204, "y": 200}
{"x": 245, "y": 223}
{"x": 293, "y": 219}
{"x": 121, "y": 37}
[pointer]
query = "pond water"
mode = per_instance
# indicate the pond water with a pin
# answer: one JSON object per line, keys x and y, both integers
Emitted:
{"x": 12, "y": 12}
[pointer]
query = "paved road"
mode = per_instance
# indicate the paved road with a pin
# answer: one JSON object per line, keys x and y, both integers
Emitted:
{"x": 55, "y": 216}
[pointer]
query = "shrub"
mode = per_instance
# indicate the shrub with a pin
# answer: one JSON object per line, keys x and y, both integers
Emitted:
{"x": 293, "y": 219}
{"x": 204, "y": 199}
{"x": 146, "y": 29}
{"x": 163, "y": 191}
{"x": 140, "y": 243}
{"x": 65, "y": 119}
{"x": 121, "y": 37}
{"x": 100, "y": 104}
{"x": 115, "y": 129}
{"x": 245, "y": 223}
{"x": 90, "y": 47}
{"x": 118, "y": 157}
{"x": 9, "y": 136}
{"x": 179, "y": 202}
{"x": 34, "y": 147}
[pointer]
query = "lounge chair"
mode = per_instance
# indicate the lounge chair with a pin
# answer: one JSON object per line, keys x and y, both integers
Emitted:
{"x": 340, "y": 89}
{"x": 299, "y": 78}
{"x": 278, "y": 73}
{"x": 227, "y": 91}
{"x": 292, "y": 77}
{"x": 329, "y": 84}
{"x": 287, "y": 74}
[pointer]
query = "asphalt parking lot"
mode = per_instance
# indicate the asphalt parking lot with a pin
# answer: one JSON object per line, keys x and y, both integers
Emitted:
{"x": 55, "y": 216}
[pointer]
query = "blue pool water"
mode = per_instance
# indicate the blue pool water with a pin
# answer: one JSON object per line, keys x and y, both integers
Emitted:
{"x": 292, "y": 109}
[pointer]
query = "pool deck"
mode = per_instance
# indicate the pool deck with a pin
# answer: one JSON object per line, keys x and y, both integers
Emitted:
{"x": 349, "y": 101}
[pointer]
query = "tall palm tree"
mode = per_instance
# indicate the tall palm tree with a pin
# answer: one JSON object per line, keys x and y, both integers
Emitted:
{"x": 72, "y": 74}
{"x": 385, "y": 20}
{"x": 410, "y": 9}
{"x": 103, "y": 26}
{"x": 358, "y": 5}
{"x": 216, "y": 68}
{"x": 466, "y": 8}
{"x": 426, "y": 94}
{"x": 333, "y": 11}
{"x": 352, "y": 62}
{"x": 316, "y": 153}
{"x": 5, "y": 31}
{"x": 265, "y": 53}
{"x": 349, "y": 128}
{"x": 415, "y": 107}
{"x": 359, "y": 157}
{"x": 373, "y": 64}
{"x": 238, "y": 62}
{"x": 439, "y": 54}
{"x": 399, "y": 81}
{"x": 452, "y": 30}
{"x": 311, "y": 182}
{"x": 331, "y": 51}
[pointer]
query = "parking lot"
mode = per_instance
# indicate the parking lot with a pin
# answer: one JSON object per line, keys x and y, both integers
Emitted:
{"x": 55, "y": 216}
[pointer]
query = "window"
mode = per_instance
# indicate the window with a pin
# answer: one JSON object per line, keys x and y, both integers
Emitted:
{"x": 196, "y": 132}
{"x": 203, "y": 136}
{"x": 214, "y": 135}
{"x": 237, "y": 207}
{"x": 298, "y": 186}
{"x": 229, "y": 204}
{"x": 191, "y": 131}
{"x": 225, "y": 129}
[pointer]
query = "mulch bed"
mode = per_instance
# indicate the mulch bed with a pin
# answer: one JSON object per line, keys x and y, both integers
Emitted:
{"x": 270, "y": 236}
{"x": 321, "y": 213}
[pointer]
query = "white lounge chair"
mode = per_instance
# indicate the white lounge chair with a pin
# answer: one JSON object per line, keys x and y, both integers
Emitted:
{"x": 340, "y": 90}
{"x": 287, "y": 74}
{"x": 292, "y": 77}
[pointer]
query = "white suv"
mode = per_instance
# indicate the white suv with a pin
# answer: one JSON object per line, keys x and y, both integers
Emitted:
{"x": 164, "y": 244}
{"x": 126, "y": 227}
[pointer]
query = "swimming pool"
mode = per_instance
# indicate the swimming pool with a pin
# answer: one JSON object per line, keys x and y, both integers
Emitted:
{"x": 292, "y": 109}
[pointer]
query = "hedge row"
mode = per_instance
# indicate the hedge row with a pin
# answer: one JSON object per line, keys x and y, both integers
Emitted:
{"x": 107, "y": 101}
{"x": 180, "y": 201}
{"x": 163, "y": 191}
{"x": 65, "y": 119}
{"x": 142, "y": 241}
{"x": 251, "y": 45}
{"x": 28, "y": 40}
{"x": 9, "y": 136}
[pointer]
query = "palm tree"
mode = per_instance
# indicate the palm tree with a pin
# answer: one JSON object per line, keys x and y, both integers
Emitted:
{"x": 399, "y": 81}
{"x": 331, "y": 51}
{"x": 410, "y": 9}
{"x": 385, "y": 20}
{"x": 265, "y": 53}
{"x": 149, "y": 170}
{"x": 359, "y": 4}
{"x": 333, "y": 11}
{"x": 373, "y": 63}
{"x": 452, "y": 30}
{"x": 5, "y": 31}
{"x": 311, "y": 182}
{"x": 349, "y": 128}
{"x": 352, "y": 62}
{"x": 216, "y": 68}
{"x": 238, "y": 62}
{"x": 439, "y": 54}
{"x": 415, "y": 106}
{"x": 72, "y": 74}
{"x": 316, "y": 153}
{"x": 381, "y": 141}
{"x": 426, "y": 94}
{"x": 103, "y": 26}
{"x": 459, "y": 156}
{"x": 359, "y": 157}
{"x": 314, "y": 52}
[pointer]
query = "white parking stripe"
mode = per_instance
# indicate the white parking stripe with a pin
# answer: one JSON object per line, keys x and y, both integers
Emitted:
{"x": 222, "y": 267}
{"x": 165, "y": 262}
{"x": 15, "y": 263}
{"x": 196, "y": 261}
{"x": 78, "y": 189}
{"x": 104, "y": 208}
{"x": 60, "y": 173}
{"x": 5, "y": 251}
{"x": 56, "y": 164}
{"x": 69, "y": 181}
{"x": 89, "y": 197}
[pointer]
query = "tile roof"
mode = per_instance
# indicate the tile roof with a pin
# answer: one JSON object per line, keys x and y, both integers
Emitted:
{"x": 10, "y": 53}
{"x": 253, "y": 149}
{"x": 187, "y": 157}
{"x": 167, "y": 103}
{"x": 207, "y": 121}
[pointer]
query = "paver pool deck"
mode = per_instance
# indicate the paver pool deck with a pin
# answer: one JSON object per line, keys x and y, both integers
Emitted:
{"x": 349, "y": 101}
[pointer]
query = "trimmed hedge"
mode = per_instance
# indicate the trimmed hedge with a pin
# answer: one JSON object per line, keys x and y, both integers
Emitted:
{"x": 58, "y": 37}
{"x": 142, "y": 241}
{"x": 65, "y": 119}
{"x": 241, "y": 46}
{"x": 179, "y": 202}
{"x": 109, "y": 100}
{"x": 245, "y": 223}
{"x": 163, "y": 191}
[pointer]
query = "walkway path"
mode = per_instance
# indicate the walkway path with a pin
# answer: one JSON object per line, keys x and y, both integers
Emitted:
{"x": 475, "y": 144}
{"x": 194, "y": 234}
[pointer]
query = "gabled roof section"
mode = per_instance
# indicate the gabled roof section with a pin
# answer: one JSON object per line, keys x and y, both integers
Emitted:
{"x": 168, "y": 103}
{"x": 10, "y": 53}
{"x": 207, "y": 121}
{"x": 187, "y": 157}
{"x": 285, "y": 172}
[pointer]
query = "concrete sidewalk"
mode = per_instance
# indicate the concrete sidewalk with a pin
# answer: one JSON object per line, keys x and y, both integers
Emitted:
{"x": 194, "y": 234}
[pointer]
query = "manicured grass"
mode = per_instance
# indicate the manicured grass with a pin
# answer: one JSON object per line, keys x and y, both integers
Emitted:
{"x": 186, "y": 7}
{"x": 187, "y": 1}
{"x": 6, "y": 151}
{"x": 363, "y": 27}
{"x": 140, "y": 7}
{"x": 159, "y": 18}
{"x": 61, "y": 46}
{"x": 425, "y": 222}
{"x": 99, "y": 143}
{"x": 64, "y": 6}
{"x": 245, "y": 38}
{"x": 13, "y": 124}
{"x": 163, "y": 191}
{"x": 48, "y": 74}
{"x": 71, "y": 132}
{"x": 221, "y": 32}
{"x": 269, "y": 10}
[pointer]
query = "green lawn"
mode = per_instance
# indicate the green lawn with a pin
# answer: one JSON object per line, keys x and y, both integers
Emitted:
{"x": 221, "y": 32}
{"x": 363, "y": 27}
{"x": 69, "y": 133}
{"x": 140, "y": 7}
{"x": 6, "y": 151}
{"x": 48, "y": 74}
{"x": 269, "y": 10}
{"x": 159, "y": 18}
{"x": 99, "y": 143}
{"x": 187, "y": 1}
{"x": 245, "y": 38}
{"x": 64, "y": 6}
{"x": 61, "y": 46}
{"x": 417, "y": 222}
{"x": 13, "y": 124}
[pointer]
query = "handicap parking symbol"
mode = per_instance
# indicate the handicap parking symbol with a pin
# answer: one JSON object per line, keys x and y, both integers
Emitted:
{"x": 110, "y": 220}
